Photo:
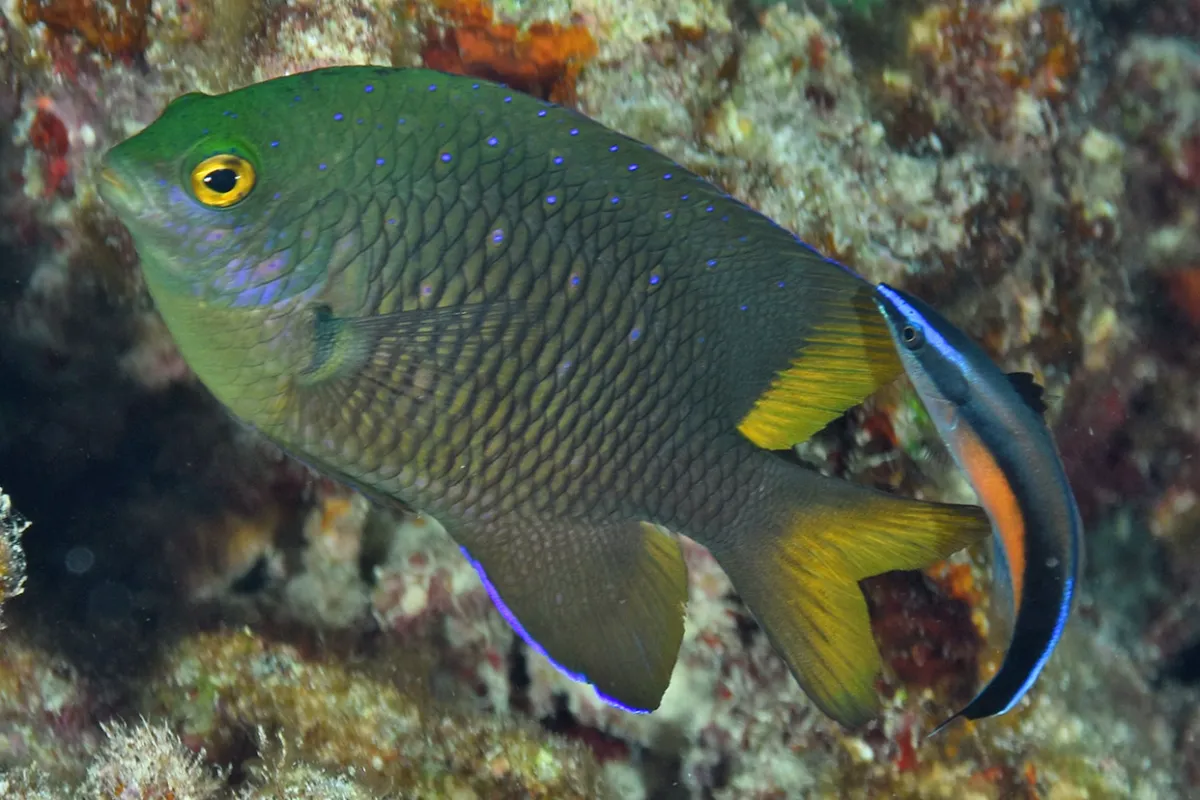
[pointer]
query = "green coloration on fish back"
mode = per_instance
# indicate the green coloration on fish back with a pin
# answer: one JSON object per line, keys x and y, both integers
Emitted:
{"x": 558, "y": 342}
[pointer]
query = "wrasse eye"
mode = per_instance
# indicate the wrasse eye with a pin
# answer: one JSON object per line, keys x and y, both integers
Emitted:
{"x": 222, "y": 181}
{"x": 912, "y": 336}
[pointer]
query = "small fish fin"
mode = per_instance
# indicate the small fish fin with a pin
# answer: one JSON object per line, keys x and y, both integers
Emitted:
{"x": 422, "y": 358}
{"x": 847, "y": 355}
{"x": 605, "y": 603}
{"x": 796, "y": 563}
{"x": 1029, "y": 390}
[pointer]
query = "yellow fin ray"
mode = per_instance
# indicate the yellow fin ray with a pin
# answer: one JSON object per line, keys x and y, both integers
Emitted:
{"x": 797, "y": 570}
{"x": 847, "y": 355}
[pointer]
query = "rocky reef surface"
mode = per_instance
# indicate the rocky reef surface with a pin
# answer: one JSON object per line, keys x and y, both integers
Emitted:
{"x": 203, "y": 618}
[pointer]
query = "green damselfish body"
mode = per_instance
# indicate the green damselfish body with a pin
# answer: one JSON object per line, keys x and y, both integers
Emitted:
{"x": 562, "y": 345}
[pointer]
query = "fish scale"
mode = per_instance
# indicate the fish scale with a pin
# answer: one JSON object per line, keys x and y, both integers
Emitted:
{"x": 560, "y": 343}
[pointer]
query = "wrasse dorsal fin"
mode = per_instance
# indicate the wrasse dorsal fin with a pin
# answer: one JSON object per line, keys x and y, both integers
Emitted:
{"x": 1029, "y": 390}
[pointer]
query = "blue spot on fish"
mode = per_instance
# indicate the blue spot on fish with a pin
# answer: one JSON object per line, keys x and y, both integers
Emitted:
{"x": 338, "y": 117}
{"x": 368, "y": 88}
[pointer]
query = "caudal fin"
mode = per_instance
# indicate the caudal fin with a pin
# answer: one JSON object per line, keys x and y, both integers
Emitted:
{"x": 796, "y": 561}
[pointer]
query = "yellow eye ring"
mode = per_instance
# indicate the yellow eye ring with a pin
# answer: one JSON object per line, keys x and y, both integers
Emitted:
{"x": 222, "y": 181}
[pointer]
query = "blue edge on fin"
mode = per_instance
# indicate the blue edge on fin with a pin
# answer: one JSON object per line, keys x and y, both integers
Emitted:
{"x": 529, "y": 640}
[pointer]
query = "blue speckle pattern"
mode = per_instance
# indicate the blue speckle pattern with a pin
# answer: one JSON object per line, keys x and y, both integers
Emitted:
{"x": 551, "y": 199}
{"x": 338, "y": 117}
{"x": 446, "y": 158}
{"x": 492, "y": 141}
{"x": 542, "y": 113}
{"x": 368, "y": 88}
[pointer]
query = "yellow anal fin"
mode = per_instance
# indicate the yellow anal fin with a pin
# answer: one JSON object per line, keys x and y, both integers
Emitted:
{"x": 603, "y": 602}
{"x": 847, "y": 355}
{"x": 797, "y": 570}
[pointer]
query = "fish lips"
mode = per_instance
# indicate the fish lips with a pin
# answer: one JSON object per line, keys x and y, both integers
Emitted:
{"x": 123, "y": 197}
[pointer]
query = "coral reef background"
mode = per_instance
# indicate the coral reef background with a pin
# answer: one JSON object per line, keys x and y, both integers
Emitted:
{"x": 203, "y": 618}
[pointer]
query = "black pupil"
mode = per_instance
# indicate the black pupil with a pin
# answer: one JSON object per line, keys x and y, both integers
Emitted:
{"x": 221, "y": 180}
{"x": 909, "y": 334}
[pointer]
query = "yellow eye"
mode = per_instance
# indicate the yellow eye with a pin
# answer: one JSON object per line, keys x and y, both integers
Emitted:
{"x": 221, "y": 181}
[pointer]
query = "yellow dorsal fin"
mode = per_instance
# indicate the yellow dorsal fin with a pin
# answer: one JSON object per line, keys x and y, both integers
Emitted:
{"x": 847, "y": 355}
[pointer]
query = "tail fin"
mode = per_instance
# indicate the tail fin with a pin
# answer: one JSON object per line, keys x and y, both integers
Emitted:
{"x": 796, "y": 561}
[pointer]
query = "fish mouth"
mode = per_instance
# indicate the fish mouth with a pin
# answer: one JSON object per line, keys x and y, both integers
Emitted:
{"x": 117, "y": 193}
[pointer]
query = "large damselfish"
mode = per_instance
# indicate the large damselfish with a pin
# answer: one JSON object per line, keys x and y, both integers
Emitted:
{"x": 562, "y": 345}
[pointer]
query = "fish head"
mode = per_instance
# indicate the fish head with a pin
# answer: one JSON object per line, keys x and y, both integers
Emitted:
{"x": 928, "y": 346}
{"x": 216, "y": 211}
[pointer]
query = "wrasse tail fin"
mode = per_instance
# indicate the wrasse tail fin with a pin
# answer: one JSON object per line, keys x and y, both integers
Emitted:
{"x": 605, "y": 603}
{"x": 797, "y": 561}
{"x": 847, "y": 355}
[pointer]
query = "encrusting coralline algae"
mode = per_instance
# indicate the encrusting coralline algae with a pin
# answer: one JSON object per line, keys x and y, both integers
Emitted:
{"x": 1031, "y": 170}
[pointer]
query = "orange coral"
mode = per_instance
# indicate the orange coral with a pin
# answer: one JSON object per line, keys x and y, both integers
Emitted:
{"x": 543, "y": 60}
{"x": 115, "y": 27}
